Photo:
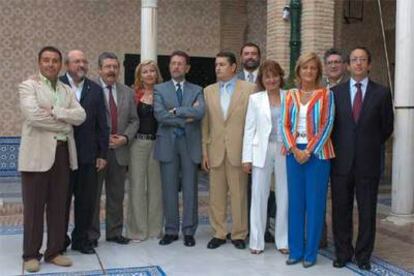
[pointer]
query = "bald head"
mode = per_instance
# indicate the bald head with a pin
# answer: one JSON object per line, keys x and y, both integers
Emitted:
{"x": 76, "y": 65}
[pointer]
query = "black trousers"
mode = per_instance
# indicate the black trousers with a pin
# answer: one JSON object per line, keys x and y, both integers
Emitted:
{"x": 344, "y": 188}
{"x": 83, "y": 186}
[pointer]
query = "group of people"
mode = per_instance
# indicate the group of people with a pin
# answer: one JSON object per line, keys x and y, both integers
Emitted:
{"x": 79, "y": 134}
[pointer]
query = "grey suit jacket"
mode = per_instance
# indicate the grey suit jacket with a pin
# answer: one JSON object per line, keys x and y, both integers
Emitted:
{"x": 127, "y": 119}
{"x": 165, "y": 99}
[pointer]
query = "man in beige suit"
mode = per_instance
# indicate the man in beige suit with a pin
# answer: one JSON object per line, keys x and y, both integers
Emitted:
{"x": 222, "y": 140}
{"x": 47, "y": 153}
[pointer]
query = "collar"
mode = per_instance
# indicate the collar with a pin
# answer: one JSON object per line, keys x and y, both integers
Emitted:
{"x": 176, "y": 82}
{"x": 48, "y": 82}
{"x": 364, "y": 82}
{"x": 232, "y": 81}
{"x": 72, "y": 83}
{"x": 104, "y": 85}
{"x": 246, "y": 73}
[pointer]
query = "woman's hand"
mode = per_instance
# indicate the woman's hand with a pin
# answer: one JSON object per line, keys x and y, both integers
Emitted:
{"x": 301, "y": 156}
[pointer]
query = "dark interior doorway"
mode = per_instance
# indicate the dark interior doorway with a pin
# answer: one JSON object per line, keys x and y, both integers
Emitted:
{"x": 201, "y": 72}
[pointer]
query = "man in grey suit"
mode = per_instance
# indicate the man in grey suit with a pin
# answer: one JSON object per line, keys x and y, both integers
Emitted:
{"x": 179, "y": 108}
{"x": 250, "y": 62}
{"x": 123, "y": 121}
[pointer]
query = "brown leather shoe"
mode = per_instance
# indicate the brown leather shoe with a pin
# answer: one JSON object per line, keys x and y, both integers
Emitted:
{"x": 32, "y": 265}
{"x": 61, "y": 260}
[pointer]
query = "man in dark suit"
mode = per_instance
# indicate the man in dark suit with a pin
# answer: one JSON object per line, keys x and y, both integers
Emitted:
{"x": 179, "y": 108}
{"x": 363, "y": 122}
{"x": 250, "y": 62}
{"x": 91, "y": 138}
{"x": 122, "y": 118}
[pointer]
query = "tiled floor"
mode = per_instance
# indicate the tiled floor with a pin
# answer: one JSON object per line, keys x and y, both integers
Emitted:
{"x": 393, "y": 253}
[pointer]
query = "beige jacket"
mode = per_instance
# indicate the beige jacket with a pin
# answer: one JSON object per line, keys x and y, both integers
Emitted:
{"x": 225, "y": 136}
{"x": 40, "y": 129}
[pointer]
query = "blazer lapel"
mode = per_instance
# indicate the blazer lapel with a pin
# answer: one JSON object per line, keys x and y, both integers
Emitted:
{"x": 346, "y": 101}
{"x": 265, "y": 106}
{"x": 366, "y": 101}
{"x": 187, "y": 95}
{"x": 234, "y": 99}
{"x": 85, "y": 90}
{"x": 216, "y": 100}
{"x": 173, "y": 95}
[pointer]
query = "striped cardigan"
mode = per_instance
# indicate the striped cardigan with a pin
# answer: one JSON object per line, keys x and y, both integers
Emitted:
{"x": 319, "y": 122}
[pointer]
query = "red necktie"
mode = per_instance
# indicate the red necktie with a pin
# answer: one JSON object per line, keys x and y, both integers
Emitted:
{"x": 114, "y": 112}
{"x": 356, "y": 106}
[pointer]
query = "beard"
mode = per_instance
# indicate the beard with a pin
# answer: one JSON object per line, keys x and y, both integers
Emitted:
{"x": 251, "y": 64}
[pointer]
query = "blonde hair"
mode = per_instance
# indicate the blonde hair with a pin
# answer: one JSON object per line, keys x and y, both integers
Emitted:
{"x": 302, "y": 60}
{"x": 138, "y": 79}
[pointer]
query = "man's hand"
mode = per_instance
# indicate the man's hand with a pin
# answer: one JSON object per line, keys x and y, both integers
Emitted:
{"x": 247, "y": 167}
{"x": 116, "y": 140}
{"x": 205, "y": 164}
{"x": 100, "y": 164}
{"x": 196, "y": 103}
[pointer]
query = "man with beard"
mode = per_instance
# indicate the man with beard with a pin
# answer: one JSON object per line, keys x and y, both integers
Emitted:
{"x": 122, "y": 118}
{"x": 91, "y": 139}
{"x": 250, "y": 61}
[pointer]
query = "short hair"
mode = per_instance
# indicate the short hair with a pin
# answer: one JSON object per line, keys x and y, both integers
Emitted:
{"x": 363, "y": 48}
{"x": 138, "y": 80}
{"x": 337, "y": 52}
{"x": 50, "y": 49}
{"x": 181, "y": 54}
{"x": 231, "y": 58}
{"x": 106, "y": 55}
{"x": 269, "y": 66}
{"x": 250, "y": 44}
{"x": 305, "y": 58}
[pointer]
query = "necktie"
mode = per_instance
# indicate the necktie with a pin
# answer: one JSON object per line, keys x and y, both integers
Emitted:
{"x": 250, "y": 77}
{"x": 179, "y": 94}
{"x": 114, "y": 112}
{"x": 356, "y": 106}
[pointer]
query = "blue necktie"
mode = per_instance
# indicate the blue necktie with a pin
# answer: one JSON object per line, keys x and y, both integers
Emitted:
{"x": 179, "y": 94}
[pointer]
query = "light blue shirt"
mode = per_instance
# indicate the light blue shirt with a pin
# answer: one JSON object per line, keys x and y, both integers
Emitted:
{"x": 226, "y": 91}
{"x": 76, "y": 88}
{"x": 353, "y": 88}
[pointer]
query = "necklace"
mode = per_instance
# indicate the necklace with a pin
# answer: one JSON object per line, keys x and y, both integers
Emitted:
{"x": 307, "y": 92}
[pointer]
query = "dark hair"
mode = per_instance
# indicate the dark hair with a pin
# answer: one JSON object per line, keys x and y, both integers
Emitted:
{"x": 336, "y": 52}
{"x": 50, "y": 49}
{"x": 181, "y": 54}
{"x": 269, "y": 66}
{"x": 363, "y": 48}
{"x": 106, "y": 55}
{"x": 231, "y": 58}
{"x": 250, "y": 44}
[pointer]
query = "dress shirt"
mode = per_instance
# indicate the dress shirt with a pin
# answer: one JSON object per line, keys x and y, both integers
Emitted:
{"x": 246, "y": 74}
{"x": 181, "y": 84}
{"x": 77, "y": 89}
{"x": 353, "y": 88}
{"x": 226, "y": 91}
{"x": 106, "y": 91}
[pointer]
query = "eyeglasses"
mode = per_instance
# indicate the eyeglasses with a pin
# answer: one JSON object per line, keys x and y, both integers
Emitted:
{"x": 362, "y": 60}
{"x": 334, "y": 62}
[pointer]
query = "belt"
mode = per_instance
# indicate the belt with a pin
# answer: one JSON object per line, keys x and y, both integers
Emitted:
{"x": 302, "y": 134}
{"x": 145, "y": 136}
{"x": 61, "y": 143}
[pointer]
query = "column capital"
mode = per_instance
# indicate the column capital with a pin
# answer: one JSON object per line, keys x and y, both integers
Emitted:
{"x": 149, "y": 3}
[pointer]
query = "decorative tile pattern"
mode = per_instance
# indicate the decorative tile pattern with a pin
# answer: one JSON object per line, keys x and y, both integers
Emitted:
{"x": 9, "y": 149}
{"x": 132, "y": 271}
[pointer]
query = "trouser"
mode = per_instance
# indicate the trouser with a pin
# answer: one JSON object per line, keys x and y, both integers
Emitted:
{"x": 145, "y": 216}
{"x": 114, "y": 176}
{"x": 223, "y": 179}
{"x": 45, "y": 189}
{"x": 83, "y": 186}
{"x": 275, "y": 162}
{"x": 343, "y": 188}
{"x": 181, "y": 167}
{"x": 307, "y": 188}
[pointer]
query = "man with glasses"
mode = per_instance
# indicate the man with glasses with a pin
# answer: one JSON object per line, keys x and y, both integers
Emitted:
{"x": 364, "y": 120}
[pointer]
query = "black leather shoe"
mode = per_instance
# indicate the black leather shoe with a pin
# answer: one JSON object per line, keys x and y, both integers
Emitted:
{"x": 167, "y": 239}
{"x": 291, "y": 261}
{"x": 84, "y": 249}
{"x": 119, "y": 239}
{"x": 189, "y": 240}
{"x": 93, "y": 243}
{"x": 239, "y": 244}
{"x": 228, "y": 236}
{"x": 66, "y": 244}
{"x": 215, "y": 242}
{"x": 338, "y": 263}
{"x": 364, "y": 266}
{"x": 268, "y": 238}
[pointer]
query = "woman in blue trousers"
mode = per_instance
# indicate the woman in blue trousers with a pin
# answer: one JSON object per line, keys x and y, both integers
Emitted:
{"x": 307, "y": 117}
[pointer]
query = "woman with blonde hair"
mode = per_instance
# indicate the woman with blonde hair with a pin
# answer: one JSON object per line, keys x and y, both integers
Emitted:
{"x": 307, "y": 120}
{"x": 144, "y": 218}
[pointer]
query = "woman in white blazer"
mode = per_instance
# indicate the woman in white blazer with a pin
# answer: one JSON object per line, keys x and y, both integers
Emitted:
{"x": 262, "y": 156}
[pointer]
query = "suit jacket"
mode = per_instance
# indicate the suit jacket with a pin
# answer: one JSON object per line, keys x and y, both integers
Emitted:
{"x": 38, "y": 141}
{"x": 257, "y": 129}
{"x": 225, "y": 136}
{"x": 358, "y": 145}
{"x": 92, "y": 136}
{"x": 165, "y": 99}
{"x": 128, "y": 122}
{"x": 240, "y": 75}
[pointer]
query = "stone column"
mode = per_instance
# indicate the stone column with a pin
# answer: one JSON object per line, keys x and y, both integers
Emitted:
{"x": 403, "y": 149}
{"x": 149, "y": 29}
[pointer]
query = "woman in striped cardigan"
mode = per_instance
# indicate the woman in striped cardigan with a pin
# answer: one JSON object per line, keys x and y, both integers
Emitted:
{"x": 307, "y": 117}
